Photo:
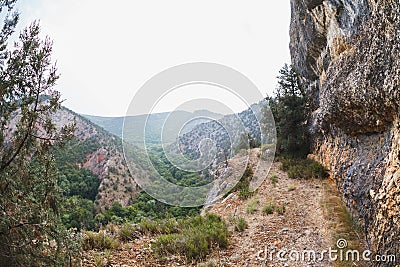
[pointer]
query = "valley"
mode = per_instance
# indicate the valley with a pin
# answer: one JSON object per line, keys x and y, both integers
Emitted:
{"x": 306, "y": 174}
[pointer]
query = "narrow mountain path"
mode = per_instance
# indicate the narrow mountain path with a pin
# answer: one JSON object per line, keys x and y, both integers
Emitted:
{"x": 302, "y": 226}
{"x": 307, "y": 216}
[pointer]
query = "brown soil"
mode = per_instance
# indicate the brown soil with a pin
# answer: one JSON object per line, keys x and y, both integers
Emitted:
{"x": 309, "y": 222}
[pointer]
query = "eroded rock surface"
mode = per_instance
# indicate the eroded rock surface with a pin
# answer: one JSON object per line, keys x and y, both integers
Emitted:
{"x": 349, "y": 55}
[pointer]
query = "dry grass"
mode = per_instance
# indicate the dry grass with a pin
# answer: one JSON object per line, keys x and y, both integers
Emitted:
{"x": 342, "y": 225}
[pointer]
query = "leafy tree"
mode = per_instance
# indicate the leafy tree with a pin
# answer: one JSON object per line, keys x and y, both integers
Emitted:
{"x": 79, "y": 213}
{"x": 30, "y": 230}
{"x": 290, "y": 109}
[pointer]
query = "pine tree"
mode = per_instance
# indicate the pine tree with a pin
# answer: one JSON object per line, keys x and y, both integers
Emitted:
{"x": 290, "y": 110}
{"x": 30, "y": 230}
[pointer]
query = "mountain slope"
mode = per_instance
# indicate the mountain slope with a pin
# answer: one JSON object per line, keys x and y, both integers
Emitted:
{"x": 154, "y": 125}
{"x": 227, "y": 133}
{"x": 100, "y": 152}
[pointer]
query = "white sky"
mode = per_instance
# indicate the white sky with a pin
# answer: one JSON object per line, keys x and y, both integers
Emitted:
{"x": 105, "y": 50}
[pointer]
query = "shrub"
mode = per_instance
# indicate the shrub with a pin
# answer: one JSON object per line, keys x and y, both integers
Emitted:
{"x": 166, "y": 226}
{"x": 274, "y": 179}
{"x": 243, "y": 186}
{"x": 128, "y": 232}
{"x": 100, "y": 240}
{"x": 252, "y": 206}
{"x": 268, "y": 209}
{"x": 303, "y": 168}
{"x": 239, "y": 223}
{"x": 148, "y": 227}
{"x": 281, "y": 209}
{"x": 193, "y": 238}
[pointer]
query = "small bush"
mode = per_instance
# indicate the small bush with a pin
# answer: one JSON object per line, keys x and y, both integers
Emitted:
{"x": 100, "y": 240}
{"x": 268, "y": 209}
{"x": 128, "y": 232}
{"x": 281, "y": 209}
{"x": 166, "y": 226}
{"x": 243, "y": 186}
{"x": 194, "y": 239}
{"x": 252, "y": 206}
{"x": 303, "y": 168}
{"x": 240, "y": 224}
{"x": 274, "y": 179}
{"x": 98, "y": 261}
{"x": 148, "y": 227}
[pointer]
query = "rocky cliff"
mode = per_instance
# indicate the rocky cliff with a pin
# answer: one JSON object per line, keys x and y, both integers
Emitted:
{"x": 348, "y": 52}
{"x": 103, "y": 156}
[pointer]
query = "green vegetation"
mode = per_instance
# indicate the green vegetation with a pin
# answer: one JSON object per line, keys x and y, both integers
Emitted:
{"x": 100, "y": 240}
{"x": 128, "y": 232}
{"x": 173, "y": 174}
{"x": 252, "y": 206}
{"x": 143, "y": 208}
{"x": 193, "y": 238}
{"x": 31, "y": 232}
{"x": 239, "y": 223}
{"x": 290, "y": 107}
{"x": 79, "y": 185}
{"x": 303, "y": 168}
{"x": 271, "y": 207}
{"x": 281, "y": 209}
{"x": 274, "y": 179}
{"x": 268, "y": 209}
{"x": 243, "y": 186}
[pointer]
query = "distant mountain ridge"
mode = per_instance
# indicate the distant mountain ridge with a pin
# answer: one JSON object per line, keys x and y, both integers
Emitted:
{"x": 154, "y": 125}
{"x": 226, "y": 132}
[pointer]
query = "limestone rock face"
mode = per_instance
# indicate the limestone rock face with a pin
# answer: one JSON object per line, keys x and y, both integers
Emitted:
{"x": 349, "y": 55}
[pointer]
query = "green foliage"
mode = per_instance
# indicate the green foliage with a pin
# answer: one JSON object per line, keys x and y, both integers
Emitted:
{"x": 271, "y": 207}
{"x": 274, "y": 179}
{"x": 171, "y": 173}
{"x": 166, "y": 226}
{"x": 239, "y": 223}
{"x": 252, "y": 206}
{"x": 243, "y": 186}
{"x": 290, "y": 108}
{"x": 31, "y": 233}
{"x": 79, "y": 213}
{"x": 303, "y": 168}
{"x": 268, "y": 209}
{"x": 73, "y": 180}
{"x": 193, "y": 238}
{"x": 79, "y": 185}
{"x": 128, "y": 232}
{"x": 144, "y": 208}
{"x": 100, "y": 240}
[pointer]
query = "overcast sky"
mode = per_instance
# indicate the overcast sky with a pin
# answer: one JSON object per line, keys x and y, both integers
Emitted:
{"x": 106, "y": 50}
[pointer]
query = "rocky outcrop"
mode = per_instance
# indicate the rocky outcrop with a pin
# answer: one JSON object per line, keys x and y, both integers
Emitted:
{"x": 348, "y": 53}
{"x": 105, "y": 160}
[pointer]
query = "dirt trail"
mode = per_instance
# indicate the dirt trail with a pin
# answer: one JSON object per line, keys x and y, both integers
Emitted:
{"x": 310, "y": 222}
{"x": 302, "y": 226}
